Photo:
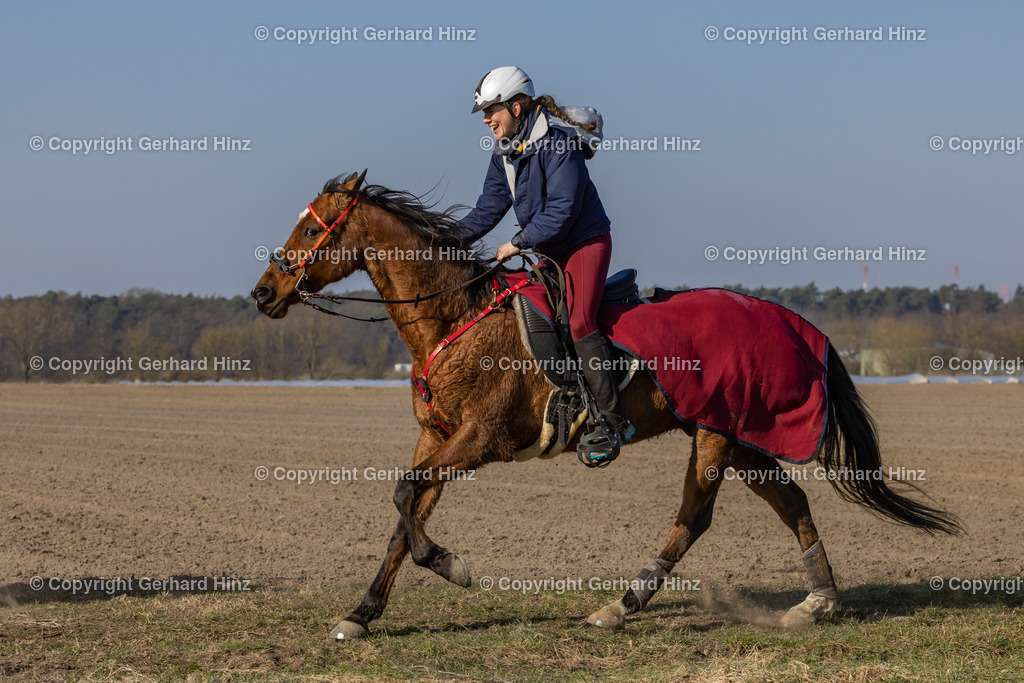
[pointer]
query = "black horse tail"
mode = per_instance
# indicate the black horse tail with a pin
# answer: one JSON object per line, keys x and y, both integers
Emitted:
{"x": 849, "y": 448}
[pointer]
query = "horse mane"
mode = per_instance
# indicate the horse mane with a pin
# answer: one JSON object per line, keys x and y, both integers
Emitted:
{"x": 440, "y": 228}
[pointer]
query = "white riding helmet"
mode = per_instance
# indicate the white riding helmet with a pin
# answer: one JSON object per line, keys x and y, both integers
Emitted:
{"x": 501, "y": 85}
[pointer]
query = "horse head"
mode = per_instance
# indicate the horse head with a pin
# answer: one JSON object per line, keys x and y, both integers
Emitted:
{"x": 326, "y": 245}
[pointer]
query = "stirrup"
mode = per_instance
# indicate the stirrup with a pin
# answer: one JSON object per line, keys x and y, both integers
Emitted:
{"x": 602, "y": 444}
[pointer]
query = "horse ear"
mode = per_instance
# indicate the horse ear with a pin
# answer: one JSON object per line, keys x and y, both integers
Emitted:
{"x": 359, "y": 180}
{"x": 354, "y": 181}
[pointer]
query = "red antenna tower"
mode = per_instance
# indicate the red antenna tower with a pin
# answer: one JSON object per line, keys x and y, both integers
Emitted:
{"x": 864, "y": 284}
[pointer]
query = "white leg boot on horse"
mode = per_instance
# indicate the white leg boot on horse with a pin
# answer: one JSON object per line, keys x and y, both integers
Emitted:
{"x": 823, "y": 596}
{"x": 790, "y": 502}
{"x": 708, "y": 458}
{"x": 652, "y": 577}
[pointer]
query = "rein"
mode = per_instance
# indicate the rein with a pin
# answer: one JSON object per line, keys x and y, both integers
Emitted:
{"x": 338, "y": 298}
{"x": 277, "y": 259}
{"x": 415, "y": 301}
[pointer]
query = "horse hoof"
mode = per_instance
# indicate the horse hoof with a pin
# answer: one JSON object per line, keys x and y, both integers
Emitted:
{"x": 348, "y": 630}
{"x": 458, "y": 572}
{"x": 807, "y": 612}
{"x": 612, "y": 617}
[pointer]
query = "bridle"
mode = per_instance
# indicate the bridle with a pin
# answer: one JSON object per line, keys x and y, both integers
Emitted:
{"x": 277, "y": 259}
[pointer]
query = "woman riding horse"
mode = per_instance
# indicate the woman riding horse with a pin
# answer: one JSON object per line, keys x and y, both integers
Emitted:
{"x": 767, "y": 376}
{"x": 539, "y": 168}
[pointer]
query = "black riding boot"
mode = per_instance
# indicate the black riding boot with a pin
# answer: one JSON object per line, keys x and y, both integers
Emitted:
{"x": 613, "y": 429}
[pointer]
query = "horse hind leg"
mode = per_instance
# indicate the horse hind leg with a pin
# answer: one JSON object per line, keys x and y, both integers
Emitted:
{"x": 707, "y": 460}
{"x": 768, "y": 480}
{"x": 823, "y": 596}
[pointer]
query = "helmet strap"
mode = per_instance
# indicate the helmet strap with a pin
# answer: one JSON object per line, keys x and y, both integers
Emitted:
{"x": 518, "y": 119}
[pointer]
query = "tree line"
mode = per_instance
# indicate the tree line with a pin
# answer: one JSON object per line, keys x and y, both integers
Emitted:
{"x": 150, "y": 336}
{"x": 899, "y": 330}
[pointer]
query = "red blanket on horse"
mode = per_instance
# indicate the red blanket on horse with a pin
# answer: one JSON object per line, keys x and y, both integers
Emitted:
{"x": 745, "y": 368}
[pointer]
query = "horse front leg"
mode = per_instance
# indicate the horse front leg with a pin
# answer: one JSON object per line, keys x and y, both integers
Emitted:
{"x": 464, "y": 451}
{"x": 356, "y": 624}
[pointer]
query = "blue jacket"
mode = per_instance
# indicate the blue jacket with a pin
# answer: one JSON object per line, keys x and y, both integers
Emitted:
{"x": 555, "y": 201}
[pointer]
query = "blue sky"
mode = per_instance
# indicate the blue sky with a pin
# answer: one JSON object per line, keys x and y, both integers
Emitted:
{"x": 819, "y": 143}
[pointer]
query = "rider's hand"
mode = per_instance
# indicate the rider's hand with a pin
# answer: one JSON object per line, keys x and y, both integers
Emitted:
{"x": 507, "y": 249}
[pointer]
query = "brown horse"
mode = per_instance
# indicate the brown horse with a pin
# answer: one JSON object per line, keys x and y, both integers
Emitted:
{"x": 409, "y": 250}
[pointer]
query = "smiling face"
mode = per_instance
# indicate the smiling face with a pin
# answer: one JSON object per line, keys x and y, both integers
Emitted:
{"x": 500, "y": 121}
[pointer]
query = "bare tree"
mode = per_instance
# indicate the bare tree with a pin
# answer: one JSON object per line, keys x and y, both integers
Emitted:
{"x": 28, "y": 327}
{"x": 231, "y": 344}
{"x": 905, "y": 344}
{"x": 137, "y": 344}
{"x": 311, "y": 336}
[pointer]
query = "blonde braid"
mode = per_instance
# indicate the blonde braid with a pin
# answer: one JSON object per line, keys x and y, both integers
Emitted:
{"x": 548, "y": 102}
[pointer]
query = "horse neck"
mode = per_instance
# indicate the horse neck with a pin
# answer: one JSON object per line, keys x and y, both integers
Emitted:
{"x": 413, "y": 266}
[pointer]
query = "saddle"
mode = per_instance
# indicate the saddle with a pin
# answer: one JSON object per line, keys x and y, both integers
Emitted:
{"x": 546, "y": 336}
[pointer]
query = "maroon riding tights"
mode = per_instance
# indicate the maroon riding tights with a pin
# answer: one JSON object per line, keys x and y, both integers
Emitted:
{"x": 586, "y": 268}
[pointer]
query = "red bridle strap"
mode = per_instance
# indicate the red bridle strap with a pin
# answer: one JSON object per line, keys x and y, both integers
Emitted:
{"x": 327, "y": 229}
